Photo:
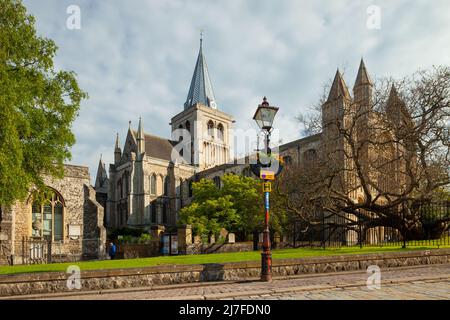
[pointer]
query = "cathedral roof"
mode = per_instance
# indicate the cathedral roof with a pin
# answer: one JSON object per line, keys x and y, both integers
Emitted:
{"x": 157, "y": 147}
{"x": 363, "y": 76}
{"x": 201, "y": 90}
{"x": 338, "y": 88}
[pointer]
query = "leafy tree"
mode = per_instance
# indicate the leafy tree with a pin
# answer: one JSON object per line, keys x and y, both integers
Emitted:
{"x": 38, "y": 105}
{"x": 236, "y": 206}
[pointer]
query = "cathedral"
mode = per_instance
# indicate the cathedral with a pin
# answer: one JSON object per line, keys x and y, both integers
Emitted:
{"x": 151, "y": 177}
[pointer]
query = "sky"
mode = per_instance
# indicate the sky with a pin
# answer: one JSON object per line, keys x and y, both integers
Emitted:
{"x": 135, "y": 58}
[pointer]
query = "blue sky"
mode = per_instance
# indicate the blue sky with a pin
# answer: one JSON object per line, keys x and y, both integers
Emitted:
{"x": 136, "y": 58}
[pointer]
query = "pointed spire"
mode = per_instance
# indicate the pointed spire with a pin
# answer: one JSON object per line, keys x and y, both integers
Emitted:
{"x": 140, "y": 133}
{"x": 117, "y": 146}
{"x": 363, "y": 76}
{"x": 394, "y": 103}
{"x": 102, "y": 176}
{"x": 140, "y": 137}
{"x": 338, "y": 88}
{"x": 117, "y": 151}
{"x": 201, "y": 90}
{"x": 393, "y": 96}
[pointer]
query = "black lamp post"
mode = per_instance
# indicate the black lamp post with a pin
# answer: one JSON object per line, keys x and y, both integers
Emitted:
{"x": 264, "y": 116}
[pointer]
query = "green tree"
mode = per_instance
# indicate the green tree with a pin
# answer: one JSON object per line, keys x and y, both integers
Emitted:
{"x": 38, "y": 105}
{"x": 237, "y": 206}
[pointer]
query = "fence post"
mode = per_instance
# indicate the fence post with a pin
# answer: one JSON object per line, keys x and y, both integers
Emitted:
{"x": 323, "y": 230}
{"x": 403, "y": 226}
{"x": 360, "y": 229}
{"x": 295, "y": 231}
{"x": 49, "y": 250}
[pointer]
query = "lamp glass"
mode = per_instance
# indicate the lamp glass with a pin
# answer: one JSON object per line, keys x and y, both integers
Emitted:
{"x": 264, "y": 116}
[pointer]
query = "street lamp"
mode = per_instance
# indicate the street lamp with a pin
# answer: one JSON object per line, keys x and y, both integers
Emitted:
{"x": 264, "y": 116}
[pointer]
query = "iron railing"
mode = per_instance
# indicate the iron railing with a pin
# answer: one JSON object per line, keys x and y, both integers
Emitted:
{"x": 424, "y": 224}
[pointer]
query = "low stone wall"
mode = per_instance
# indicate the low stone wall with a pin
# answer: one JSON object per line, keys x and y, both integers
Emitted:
{"x": 36, "y": 283}
{"x": 132, "y": 251}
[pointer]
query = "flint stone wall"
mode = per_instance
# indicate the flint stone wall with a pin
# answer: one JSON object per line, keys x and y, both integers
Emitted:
{"x": 36, "y": 283}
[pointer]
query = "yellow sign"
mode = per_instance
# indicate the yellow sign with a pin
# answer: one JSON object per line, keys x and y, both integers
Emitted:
{"x": 267, "y": 187}
{"x": 267, "y": 175}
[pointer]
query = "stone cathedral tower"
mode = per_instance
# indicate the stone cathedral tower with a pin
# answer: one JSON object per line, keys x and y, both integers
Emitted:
{"x": 210, "y": 129}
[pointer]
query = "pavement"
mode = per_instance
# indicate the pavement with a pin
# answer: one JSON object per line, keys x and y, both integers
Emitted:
{"x": 406, "y": 283}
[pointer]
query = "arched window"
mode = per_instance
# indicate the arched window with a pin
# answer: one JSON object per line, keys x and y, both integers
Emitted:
{"x": 190, "y": 188}
{"x": 153, "y": 212}
{"x": 125, "y": 184}
{"x": 153, "y": 184}
{"x": 166, "y": 185}
{"x": 220, "y": 131}
{"x": 164, "y": 215}
{"x": 188, "y": 126}
{"x": 210, "y": 128}
{"x": 181, "y": 136}
{"x": 47, "y": 218}
{"x": 119, "y": 189}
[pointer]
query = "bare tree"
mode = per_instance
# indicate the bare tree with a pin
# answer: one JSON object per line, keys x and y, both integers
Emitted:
{"x": 380, "y": 161}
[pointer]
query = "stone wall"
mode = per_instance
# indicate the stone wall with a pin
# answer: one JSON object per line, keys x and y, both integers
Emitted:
{"x": 133, "y": 251}
{"x": 35, "y": 283}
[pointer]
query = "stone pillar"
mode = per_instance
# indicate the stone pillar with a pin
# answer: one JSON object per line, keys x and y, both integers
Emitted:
{"x": 277, "y": 240}
{"x": 6, "y": 237}
{"x": 184, "y": 238}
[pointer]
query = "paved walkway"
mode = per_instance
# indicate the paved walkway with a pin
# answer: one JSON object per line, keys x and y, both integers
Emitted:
{"x": 422, "y": 282}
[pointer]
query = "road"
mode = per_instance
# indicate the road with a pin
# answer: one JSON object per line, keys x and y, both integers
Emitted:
{"x": 420, "y": 282}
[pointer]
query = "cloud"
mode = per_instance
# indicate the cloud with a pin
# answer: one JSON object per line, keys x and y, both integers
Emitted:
{"x": 136, "y": 58}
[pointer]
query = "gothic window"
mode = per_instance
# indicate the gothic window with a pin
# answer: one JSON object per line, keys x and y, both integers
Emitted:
{"x": 190, "y": 188}
{"x": 220, "y": 132}
{"x": 166, "y": 185}
{"x": 125, "y": 184}
{"x": 164, "y": 215}
{"x": 188, "y": 126}
{"x": 47, "y": 218}
{"x": 210, "y": 128}
{"x": 181, "y": 136}
{"x": 178, "y": 189}
{"x": 119, "y": 189}
{"x": 153, "y": 212}
{"x": 153, "y": 184}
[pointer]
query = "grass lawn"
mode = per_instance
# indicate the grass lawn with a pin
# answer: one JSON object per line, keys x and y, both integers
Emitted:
{"x": 204, "y": 258}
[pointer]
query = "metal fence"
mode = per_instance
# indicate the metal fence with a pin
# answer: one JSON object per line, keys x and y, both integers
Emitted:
{"x": 424, "y": 224}
{"x": 36, "y": 251}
